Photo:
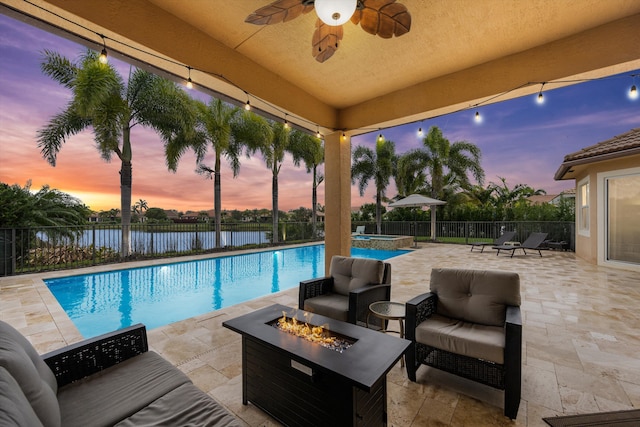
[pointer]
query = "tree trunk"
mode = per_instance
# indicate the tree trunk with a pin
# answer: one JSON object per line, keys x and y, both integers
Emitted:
{"x": 274, "y": 205}
{"x": 126, "y": 178}
{"x": 125, "y": 207}
{"x": 217, "y": 200}
{"x": 378, "y": 212}
{"x": 314, "y": 203}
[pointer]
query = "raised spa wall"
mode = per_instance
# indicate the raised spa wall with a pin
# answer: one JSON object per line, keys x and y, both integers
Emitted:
{"x": 386, "y": 243}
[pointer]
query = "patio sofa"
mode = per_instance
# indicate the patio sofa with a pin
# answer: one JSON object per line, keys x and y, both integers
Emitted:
{"x": 110, "y": 380}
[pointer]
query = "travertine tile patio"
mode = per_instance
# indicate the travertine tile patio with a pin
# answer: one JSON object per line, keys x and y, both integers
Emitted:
{"x": 581, "y": 346}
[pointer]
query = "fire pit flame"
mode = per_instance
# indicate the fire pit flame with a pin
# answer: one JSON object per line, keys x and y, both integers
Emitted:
{"x": 316, "y": 334}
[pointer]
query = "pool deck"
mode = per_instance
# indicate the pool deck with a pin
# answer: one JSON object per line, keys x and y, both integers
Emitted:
{"x": 581, "y": 340}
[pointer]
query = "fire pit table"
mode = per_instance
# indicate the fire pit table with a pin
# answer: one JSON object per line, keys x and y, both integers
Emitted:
{"x": 302, "y": 383}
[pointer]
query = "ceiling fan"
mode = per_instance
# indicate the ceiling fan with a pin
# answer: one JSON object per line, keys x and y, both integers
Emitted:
{"x": 384, "y": 18}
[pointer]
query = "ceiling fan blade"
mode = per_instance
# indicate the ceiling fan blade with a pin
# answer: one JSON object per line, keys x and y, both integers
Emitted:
{"x": 279, "y": 11}
{"x": 384, "y": 18}
{"x": 326, "y": 40}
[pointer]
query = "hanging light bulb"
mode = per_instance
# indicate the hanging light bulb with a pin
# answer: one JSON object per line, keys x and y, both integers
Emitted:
{"x": 633, "y": 92}
{"x": 478, "y": 117}
{"x": 247, "y": 106}
{"x": 189, "y": 82}
{"x": 380, "y": 138}
{"x": 335, "y": 12}
{"x": 420, "y": 133}
{"x": 540, "y": 99}
{"x": 318, "y": 135}
{"x": 286, "y": 123}
{"x": 103, "y": 58}
{"x": 344, "y": 136}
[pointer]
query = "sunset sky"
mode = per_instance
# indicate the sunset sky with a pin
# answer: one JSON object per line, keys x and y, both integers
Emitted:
{"x": 520, "y": 140}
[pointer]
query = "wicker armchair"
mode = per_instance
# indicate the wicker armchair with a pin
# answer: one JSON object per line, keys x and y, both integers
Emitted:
{"x": 470, "y": 325}
{"x": 352, "y": 285}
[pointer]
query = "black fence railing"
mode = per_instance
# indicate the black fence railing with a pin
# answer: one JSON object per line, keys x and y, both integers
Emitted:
{"x": 32, "y": 250}
{"x": 475, "y": 231}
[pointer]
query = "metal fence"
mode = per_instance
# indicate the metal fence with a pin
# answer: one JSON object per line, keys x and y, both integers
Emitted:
{"x": 31, "y": 250}
{"x": 476, "y": 231}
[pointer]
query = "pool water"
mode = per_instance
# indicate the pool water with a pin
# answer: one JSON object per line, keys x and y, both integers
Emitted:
{"x": 162, "y": 294}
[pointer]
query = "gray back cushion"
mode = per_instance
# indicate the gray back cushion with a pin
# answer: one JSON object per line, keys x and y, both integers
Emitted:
{"x": 477, "y": 296}
{"x": 353, "y": 273}
{"x": 15, "y": 409}
{"x": 27, "y": 368}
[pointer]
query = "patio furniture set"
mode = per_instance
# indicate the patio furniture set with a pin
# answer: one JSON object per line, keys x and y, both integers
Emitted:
{"x": 469, "y": 324}
{"x": 110, "y": 380}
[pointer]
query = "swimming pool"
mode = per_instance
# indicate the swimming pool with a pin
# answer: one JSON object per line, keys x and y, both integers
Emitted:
{"x": 162, "y": 294}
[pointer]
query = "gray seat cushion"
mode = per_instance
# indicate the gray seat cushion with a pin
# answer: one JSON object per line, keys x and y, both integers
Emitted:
{"x": 15, "y": 409}
{"x": 476, "y": 296}
{"x": 353, "y": 273}
{"x": 105, "y": 398}
{"x": 187, "y": 405}
{"x": 459, "y": 337}
{"x": 330, "y": 305}
{"x": 36, "y": 380}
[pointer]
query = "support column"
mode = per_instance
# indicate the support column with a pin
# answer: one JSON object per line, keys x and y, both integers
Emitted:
{"x": 337, "y": 198}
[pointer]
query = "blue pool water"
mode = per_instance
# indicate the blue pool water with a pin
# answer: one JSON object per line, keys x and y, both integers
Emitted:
{"x": 162, "y": 294}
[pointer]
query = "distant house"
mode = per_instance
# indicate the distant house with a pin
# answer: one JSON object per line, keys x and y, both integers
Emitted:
{"x": 607, "y": 177}
{"x": 553, "y": 199}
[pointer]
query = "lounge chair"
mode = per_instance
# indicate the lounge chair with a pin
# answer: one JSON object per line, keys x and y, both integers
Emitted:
{"x": 359, "y": 229}
{"x": 533, "y": 242}
{"x": 507, "y": 236}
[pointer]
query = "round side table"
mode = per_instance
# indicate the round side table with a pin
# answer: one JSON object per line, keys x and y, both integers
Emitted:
{"x": 388, "y": 310}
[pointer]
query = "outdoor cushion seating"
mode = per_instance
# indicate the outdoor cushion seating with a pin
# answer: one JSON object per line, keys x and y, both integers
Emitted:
{"x": 110, "y": 380}
{"x": 534, "y": 242}
{"x": 469, "y": 325}
{"x": 507, "y": 236}
{"x": 352, "y": 285}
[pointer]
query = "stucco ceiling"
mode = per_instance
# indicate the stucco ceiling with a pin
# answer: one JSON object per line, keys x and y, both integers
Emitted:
{"x": 458, "y": 53}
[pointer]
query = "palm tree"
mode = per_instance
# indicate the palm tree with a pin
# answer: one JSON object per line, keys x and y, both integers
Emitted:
{"x": 409, "y": 175}
{"x": 456, "y": 160}
{"x": 139, "y": 207}
{"x": 507, "y": 197}
{"x": 310, "y": 150}
{"x": 219, "y": 127}
{"x": 273, "y": 143}
{"x": 103, "y": 101}
{"x": 377, "y": 165}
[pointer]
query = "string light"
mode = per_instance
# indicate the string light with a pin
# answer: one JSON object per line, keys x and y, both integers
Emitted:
{"x": 189, "y": 82}
{"x": 103, "y": 58}
{"x": 380, "y": 138}
{"x": 420, "y": 133}
{"x": 540, "y": 99}
{"x": 286, "y": 123}
{"x": 344, "y": 136}
{"x": 318, "y": 135}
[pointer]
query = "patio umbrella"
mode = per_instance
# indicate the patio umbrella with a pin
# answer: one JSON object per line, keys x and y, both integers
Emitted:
{"x": 418, "y": 201}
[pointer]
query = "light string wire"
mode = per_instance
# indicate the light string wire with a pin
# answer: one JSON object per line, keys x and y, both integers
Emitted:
{"x": 249, "y": 95}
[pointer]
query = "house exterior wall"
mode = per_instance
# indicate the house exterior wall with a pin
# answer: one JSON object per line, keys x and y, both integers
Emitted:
{"x": 589, "y": 246}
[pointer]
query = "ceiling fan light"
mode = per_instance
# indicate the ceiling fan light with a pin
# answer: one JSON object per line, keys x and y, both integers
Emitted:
{"x": 335, "y": 12}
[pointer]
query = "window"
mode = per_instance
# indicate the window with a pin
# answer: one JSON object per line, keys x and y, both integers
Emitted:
{"x": 583, "y": 207}
{"x": 622, "y": 218}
